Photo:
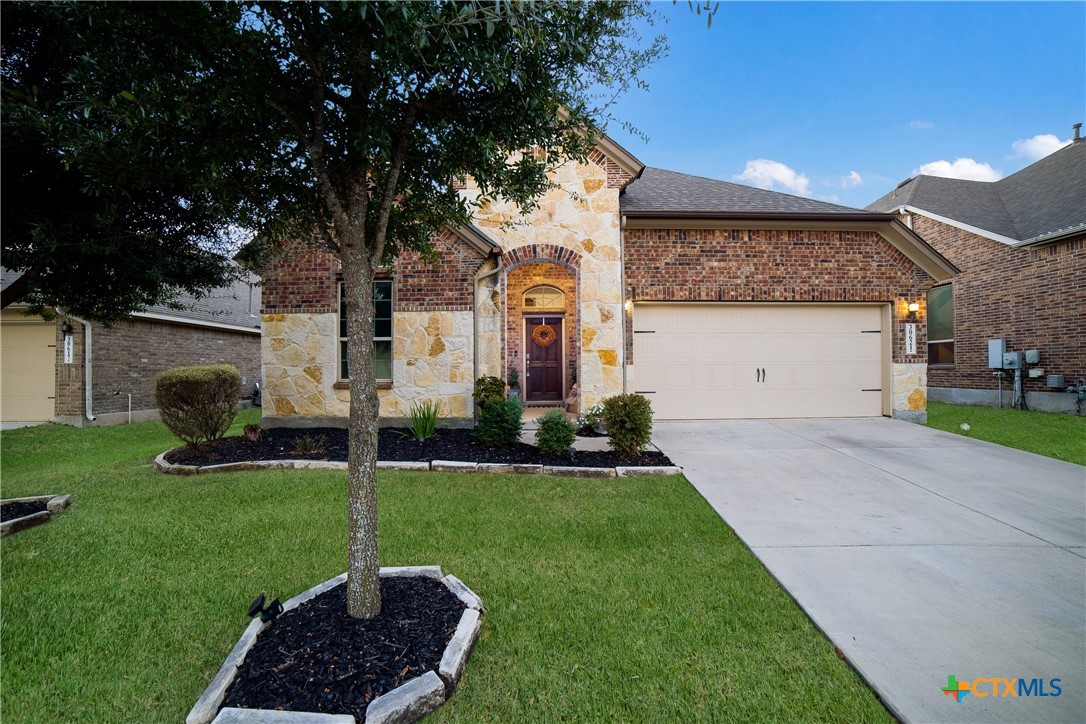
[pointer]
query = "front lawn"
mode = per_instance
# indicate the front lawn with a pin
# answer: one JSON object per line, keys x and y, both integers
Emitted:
{"x": 612, "y": 599}
{"x": 1051, "y": 434}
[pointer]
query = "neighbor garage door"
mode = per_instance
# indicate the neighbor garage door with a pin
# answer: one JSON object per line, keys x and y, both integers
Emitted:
{"x": 27, "y": 369}
{"x": 721, "y": 361}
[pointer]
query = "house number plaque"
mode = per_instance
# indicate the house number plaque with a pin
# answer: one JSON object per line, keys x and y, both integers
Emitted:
{"x": 68, "y": 349}
{"x": 910, "y": 339}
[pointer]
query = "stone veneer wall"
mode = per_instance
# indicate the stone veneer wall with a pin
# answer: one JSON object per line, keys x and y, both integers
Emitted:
{"x": 581, "y": 215}
{"x": 757, "y": 265}
{"x": 432, "y": 347}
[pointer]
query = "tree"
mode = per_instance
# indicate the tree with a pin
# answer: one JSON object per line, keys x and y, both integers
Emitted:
{"x": 346, "y": 124}
{"x": 100, "y": 247}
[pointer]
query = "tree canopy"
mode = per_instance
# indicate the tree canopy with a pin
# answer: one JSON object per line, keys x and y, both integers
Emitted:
{"x": 347, "y": 124}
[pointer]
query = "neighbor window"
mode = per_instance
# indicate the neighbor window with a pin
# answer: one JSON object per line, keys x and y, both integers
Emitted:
{"x": 941, "y": 325}
{"x": 545, "y": 297}
{"x": 382, "y": 331}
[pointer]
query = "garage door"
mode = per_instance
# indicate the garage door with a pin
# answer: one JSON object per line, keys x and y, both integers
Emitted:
{"x": 716, "y": 361}
{"x": 27, "y": 370}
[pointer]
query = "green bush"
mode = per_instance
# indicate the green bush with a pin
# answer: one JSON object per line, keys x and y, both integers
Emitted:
{"x": 198, "y": 403}
{"x": 556, "y": 433}
{"x": 423, "y": 420}
{"x": 488, "y": 389}
{"x": 629, "y": 423}
{"x": 500, "y": 422}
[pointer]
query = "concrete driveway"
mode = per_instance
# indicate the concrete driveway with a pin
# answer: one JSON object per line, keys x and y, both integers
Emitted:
{"x": 921, "y": 554}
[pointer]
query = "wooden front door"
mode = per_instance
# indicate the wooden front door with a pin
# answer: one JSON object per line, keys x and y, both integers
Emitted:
{"x": 543, "y": 365}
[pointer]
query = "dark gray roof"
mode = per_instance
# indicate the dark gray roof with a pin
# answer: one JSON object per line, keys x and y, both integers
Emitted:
{"x": 225, "y": 305}
{"x": 657, "y": 190}
{"x": 1045, "y": 197}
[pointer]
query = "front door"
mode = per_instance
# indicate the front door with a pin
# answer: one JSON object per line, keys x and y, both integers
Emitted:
{"x": 543, "y": 366}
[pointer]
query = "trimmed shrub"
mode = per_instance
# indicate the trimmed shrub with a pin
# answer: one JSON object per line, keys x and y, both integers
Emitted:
{"x": 500, "y": 422}
{"x": 198, "y": 403}
{"x": 629, "y": 423}
{"x": 556, "y": 434}
{"x": 488, "y": 389}
{"x": 423, "y": 420}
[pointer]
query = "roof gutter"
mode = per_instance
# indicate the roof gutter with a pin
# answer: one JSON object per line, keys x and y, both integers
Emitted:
{"x": 761, "y": 215}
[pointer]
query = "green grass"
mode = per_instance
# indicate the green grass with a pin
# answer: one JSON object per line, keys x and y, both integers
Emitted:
{"x": 608, "y": 599}
{"x": 1051, "y": 434}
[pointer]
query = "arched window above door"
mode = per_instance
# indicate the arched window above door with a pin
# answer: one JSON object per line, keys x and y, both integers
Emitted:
{"x": 544, "y": 296}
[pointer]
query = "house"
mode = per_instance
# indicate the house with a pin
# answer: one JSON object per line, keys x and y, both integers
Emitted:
{"x": 1020, "y": 243}
{"x": 714, "y": 300}
{"x": 83, "y": 373}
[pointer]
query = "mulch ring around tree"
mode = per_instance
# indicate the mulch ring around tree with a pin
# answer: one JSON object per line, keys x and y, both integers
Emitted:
{"x": 11, "y": 511}
{"x": 393, "y": 444}
{"x": 316, "y": 658}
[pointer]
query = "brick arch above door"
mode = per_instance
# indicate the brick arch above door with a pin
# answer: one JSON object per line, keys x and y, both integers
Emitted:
{"x": 561, "y": 255}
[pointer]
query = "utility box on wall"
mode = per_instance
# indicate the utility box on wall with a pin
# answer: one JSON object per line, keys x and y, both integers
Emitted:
{"x": 1012, "y": 360}
{"x": 996, "y": 348}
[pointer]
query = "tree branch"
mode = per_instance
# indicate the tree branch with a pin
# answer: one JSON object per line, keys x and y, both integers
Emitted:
{"x": 389, "y": 197}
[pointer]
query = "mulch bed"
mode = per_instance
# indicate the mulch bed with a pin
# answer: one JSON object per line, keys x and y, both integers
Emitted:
{"x": 317, "y": 658}
{"x": 10, "y": 511}
{"x": 447, "y": 444}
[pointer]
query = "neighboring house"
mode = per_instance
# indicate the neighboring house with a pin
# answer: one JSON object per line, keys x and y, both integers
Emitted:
{"x": 1020, "y": 243}
{"x": 87, "y": 380}
{"x": 713, "y": 299}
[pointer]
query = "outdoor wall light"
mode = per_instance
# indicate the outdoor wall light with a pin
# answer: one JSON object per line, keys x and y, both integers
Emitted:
{"x": 914, "y": 307}
{"x": 65, "y": 328}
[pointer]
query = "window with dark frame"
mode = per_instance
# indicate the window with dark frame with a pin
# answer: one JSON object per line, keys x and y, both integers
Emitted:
{"x": 941, "y": 325}
{"x": 382, "y": 331}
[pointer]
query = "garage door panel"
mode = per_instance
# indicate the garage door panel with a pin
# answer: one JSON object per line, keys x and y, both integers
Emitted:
{"x": 704, "y": 361}
{"x": 27, "y": 371}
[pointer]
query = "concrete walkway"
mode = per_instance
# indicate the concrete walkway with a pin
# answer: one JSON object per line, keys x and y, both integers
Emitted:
{"x": 921, "y": 554}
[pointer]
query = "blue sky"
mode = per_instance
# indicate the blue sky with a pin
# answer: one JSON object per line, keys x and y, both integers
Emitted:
{"x": 841, "y": 101}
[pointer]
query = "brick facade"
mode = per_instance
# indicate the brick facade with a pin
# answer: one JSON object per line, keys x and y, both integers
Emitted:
{"x": 1033, "y": 297}
{"x": 741, "y": 265}
{"x": 304, "y": 279}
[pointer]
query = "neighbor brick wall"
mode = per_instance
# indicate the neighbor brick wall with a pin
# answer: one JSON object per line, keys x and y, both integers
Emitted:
{"x": 521, "y": 279}
{"x": 740, "y": 265}
{"x": 1033, "y": 297}
{"x": 69, "y": 377}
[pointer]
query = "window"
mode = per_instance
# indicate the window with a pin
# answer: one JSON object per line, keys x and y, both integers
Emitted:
{"x": 941, "y": 325}
{"x": 544, "y": 297}
{"x": 382, "y": 331}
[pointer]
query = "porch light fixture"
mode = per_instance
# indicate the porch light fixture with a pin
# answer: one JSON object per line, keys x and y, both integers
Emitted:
{"x": 914, "y": 307}
{"x": 65, "y": 328}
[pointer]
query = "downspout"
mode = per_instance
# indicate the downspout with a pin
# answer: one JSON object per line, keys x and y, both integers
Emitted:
{"x": 622, "y": 294}
{"x": 908, "y": 216}
{"x": 87, "y": 376}
{"x": 475, "y": 324}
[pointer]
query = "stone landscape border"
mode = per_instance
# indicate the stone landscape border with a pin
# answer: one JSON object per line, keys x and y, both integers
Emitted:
{"x": 437, "y": 466}
{"x": 408, "y": 702}
{"x": 53, "y": 504}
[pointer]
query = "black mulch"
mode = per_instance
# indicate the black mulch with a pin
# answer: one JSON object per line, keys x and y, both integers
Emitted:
{"x": 10, "y": 511}
{"x": 316, "y": 658}
{"x": 393, "y": 444}
{"x": 589, "y": 432}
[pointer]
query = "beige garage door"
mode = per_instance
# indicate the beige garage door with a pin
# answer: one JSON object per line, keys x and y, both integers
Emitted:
{"x": 27, "y": 369}
{"x": 722, "y": 361}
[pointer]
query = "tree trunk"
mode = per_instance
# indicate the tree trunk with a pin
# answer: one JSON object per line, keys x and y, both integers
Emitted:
{"x": 363, "y": 582}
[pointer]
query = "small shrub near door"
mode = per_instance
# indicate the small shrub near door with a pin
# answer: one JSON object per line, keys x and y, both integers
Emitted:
{"x": 198, "y": 403}
{"x": 556, "y": 434}
{"x": 629, "y": 423}
{"x": 488, "y": 389}
{"x": 500, "y": 422}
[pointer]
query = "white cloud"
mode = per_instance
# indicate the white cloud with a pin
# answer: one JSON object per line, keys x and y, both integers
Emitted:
{"x": 766, "y": 174}
{"x": 921, "y": 125}
{"x": 1037, "y": 147}
{"x": 851, "y": 181}
{"x": 961, "y": 168}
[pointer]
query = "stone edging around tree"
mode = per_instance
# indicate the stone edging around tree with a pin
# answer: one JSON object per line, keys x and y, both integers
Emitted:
{"x": 53, "y": 503}
{"x": 437, "y": 466}
{"x": 408, "y": 702}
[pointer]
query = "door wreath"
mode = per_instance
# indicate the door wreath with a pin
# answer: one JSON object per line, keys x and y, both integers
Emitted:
{"x": 543, "y": 335}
